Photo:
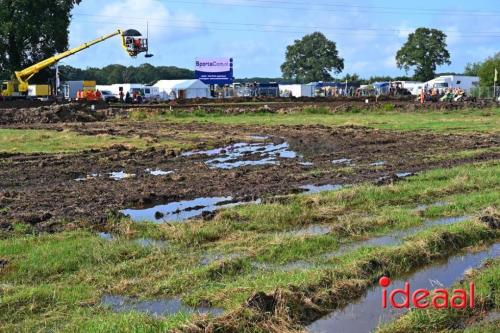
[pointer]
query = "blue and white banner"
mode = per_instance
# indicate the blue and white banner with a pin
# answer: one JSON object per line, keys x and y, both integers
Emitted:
{"x": 214, "y": 70}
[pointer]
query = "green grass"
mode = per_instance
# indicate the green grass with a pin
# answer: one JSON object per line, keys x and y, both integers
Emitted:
{"x": 46, "y": 141}
{"x": 465, "y": 120}
{"x": 54, "y": 282}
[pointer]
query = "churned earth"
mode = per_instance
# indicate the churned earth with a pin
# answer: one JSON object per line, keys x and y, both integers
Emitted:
{"x": 245, "y": 217}
{"x": 43, "y": 189}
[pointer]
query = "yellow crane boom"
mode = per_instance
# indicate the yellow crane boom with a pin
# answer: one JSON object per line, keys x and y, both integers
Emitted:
{"x": 132, "y": 42}
{"x": 24, "y": 75}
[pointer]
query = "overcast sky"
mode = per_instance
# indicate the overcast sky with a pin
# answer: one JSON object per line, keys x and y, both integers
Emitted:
{"x": 256, "y": 33}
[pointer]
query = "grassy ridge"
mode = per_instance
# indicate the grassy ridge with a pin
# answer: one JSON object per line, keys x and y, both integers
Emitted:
{"x": 464, "y": 120}
{"x": 46, "y": 141}
{"x": 56, "y": 281}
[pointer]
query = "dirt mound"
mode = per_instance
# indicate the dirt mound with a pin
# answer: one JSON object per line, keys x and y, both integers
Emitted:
{"x": 491, "y": 218}
{"x": 73, "y": 112}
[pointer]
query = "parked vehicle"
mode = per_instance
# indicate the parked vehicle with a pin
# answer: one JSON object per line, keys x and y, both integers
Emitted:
{"x": 108, "y": 96}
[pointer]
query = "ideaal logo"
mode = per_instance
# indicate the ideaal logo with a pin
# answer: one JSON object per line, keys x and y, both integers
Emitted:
{"x": 423, "y": 298}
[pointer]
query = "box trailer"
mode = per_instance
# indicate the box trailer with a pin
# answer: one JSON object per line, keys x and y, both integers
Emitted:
{"x": 71, "y": 88}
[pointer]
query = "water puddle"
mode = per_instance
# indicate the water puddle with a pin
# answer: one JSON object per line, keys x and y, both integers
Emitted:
{"x": 158, "y": 172}
{"x": 144, "y": 242}
{"x": 366, "y": 314}
{"x": 246, "y": 154}
{"x": 288, "y": 267}
{"x": 313, "y": 230}
{"x": 213, "y": 257}
{"x": 87, "y": 177}
{"x": 404, "y": 174}
{"x": 342, "y": 161}
{"x": 435, "y": 204}
{"x": 396, "y": 237}
{"x": 155, "y": 307}
{"x": 180, "y": 210}
{"x": 120, "y": 175}
{"x": 259, "y": 137}
{"x": 310, "y": 188}
{"x": 306, "y": 163}
{"x": 378, "y": 163}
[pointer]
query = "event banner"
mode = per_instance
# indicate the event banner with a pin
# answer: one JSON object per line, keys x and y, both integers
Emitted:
{"x": 214, "y": 70}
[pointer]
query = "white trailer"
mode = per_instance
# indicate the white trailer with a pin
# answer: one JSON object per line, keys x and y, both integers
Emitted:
{"x": 297, "y": 90}
{"x": 453, "y": 81}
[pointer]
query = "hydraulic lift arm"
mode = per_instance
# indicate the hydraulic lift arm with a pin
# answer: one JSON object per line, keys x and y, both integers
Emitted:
{"x": 132, "y": 42}
{"x": 24, "y": 75}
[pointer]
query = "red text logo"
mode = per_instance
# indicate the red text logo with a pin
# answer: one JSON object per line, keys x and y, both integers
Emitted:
{"x": 423, "y": 298}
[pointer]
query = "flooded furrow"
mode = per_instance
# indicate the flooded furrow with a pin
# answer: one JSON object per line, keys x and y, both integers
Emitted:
{"x": 155, "y": 307}
{"x": 367, "y": 314}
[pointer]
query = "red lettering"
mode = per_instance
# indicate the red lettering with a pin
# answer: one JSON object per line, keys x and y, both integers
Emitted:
{"x": 384, "y": 298}
{"x": 405, "y": 292}
{"x": 472, "y": 295}
{"x": 441, "y": 294}
{"x": 416, "y": 298}
{"x": 459, "y": 294}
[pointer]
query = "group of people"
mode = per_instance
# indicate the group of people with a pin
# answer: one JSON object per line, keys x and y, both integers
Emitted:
{"x": 442, "y": 94}
{"x": 136, "y": 97}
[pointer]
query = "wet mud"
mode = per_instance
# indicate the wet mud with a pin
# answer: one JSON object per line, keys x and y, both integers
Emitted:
{"x": 56, "y": 191}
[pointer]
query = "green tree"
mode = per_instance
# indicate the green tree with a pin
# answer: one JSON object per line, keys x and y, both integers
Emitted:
{"x": 312, "y": 59}
{"x": 486, "y": 70}
{"x": 31, "y": 31}
{"x": 472, "y": 69}
{"x": 425, "y": 49}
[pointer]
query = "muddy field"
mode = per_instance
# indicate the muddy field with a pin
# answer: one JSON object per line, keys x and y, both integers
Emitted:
{"x": 44, "y": 113}
{"x": 252, "y": 163}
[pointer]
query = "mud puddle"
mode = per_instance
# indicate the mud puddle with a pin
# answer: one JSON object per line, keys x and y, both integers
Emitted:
{"x": 311, "y": 188}
{"x": 180, "y": 210}
{"x": 342, "y": 161}
{"x": 396, "y": 237}
{"x": 155, "y": 307}
{"x": 367, "y": 314}
{"x": 246, "y": 154}
{"x": 158, "y": 172}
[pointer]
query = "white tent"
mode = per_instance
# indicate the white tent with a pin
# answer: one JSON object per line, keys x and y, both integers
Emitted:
{"x": 297, "y": 90}
{"x": 170, "y": 89}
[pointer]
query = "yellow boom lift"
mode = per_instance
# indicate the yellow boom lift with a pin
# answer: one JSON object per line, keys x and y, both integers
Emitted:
{"x": 132, "y": 41}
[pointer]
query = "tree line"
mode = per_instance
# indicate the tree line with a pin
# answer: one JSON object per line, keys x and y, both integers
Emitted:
{"x": 145, "y": 73}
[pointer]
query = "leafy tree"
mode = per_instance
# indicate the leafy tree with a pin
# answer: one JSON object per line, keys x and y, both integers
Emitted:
{"x": 472, "y": 69}
{"x": 425, "y": 49}
{"x": 31, "y": 31}
{"x": 312, "y": 59}
{"x": 486, "y": 70}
